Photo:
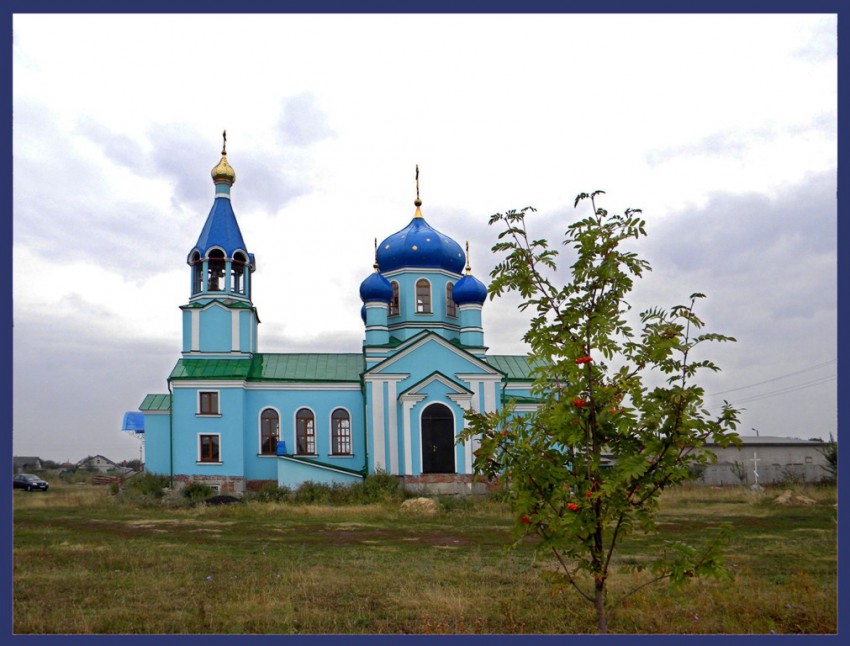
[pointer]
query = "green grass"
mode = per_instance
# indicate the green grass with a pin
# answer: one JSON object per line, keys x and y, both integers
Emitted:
{"x": 88, "y": 562}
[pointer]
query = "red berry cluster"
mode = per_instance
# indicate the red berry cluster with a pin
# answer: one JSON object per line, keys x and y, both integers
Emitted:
{"x": 584, "y": 359}
{"x": 579, "y": 402}
{"x": 572, "y": 506}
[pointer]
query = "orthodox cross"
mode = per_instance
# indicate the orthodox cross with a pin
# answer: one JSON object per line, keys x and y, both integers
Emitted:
{"x": 418, "y": 201}
{"x": 755, "y": 462}
{"x": 224, "y": 145}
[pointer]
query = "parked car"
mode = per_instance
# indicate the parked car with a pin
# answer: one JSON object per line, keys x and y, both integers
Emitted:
{"x": 29, "y": 482}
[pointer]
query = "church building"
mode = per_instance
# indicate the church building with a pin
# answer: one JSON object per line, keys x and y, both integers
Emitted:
{"x": 235, "y": 418}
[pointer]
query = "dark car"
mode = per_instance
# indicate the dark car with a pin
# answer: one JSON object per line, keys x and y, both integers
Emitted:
{"x": 29, "y": 482}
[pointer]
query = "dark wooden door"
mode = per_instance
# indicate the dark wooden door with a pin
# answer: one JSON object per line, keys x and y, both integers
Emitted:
{"x": 438, "y": 440}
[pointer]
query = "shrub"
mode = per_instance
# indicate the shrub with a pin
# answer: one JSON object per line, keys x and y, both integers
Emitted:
{"x": 147, "y": 485}
{"x": 378, "y": 487}
{"x": 196, "y": 491}
{"x": 270, "y": 492}
{"x": 374, "y": 488}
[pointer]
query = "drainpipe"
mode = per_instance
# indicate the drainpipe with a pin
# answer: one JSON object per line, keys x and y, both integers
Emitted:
{"x": 365, "y": 429}
{"x": 170, "y": 437}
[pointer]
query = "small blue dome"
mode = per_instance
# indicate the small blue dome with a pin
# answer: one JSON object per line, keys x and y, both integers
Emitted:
{"x": 469, "y": 290}
{"x": 376, "y": 288}
{"x": 363, "y": 313}
{"x": 420, "y": 245}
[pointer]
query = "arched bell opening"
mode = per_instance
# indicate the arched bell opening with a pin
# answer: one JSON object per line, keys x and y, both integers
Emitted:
{"x": 197, "y": 265}
{"x": 237, "y": 273}
{"x": 215, "y": 271}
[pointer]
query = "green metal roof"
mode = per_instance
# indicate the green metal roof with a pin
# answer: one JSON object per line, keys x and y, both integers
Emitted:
{"x": 211, "y": 369}
{"x": 309, "y": 366}
{"x": 516, "y": 367}
{"x": 156, "y": 402}
{"x": 520, "y": 399}
{"x": 315, "y": 366}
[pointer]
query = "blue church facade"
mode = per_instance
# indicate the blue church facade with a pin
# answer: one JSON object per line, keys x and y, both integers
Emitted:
{"x": 236, "y": 418}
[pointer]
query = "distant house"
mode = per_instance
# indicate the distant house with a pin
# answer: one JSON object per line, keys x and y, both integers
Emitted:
{"x": 766, "y": 460}
{"x": 23, "y": 464}
{"x": 97, "y": 463}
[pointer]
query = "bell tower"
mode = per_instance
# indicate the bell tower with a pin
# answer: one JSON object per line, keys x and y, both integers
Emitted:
{"x": 220, "y": 319}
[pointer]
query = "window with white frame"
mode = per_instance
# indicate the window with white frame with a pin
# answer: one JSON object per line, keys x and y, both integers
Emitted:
{"x": 451, "y": 308}
{"x": 305, "y": 432}
{"x": 208, "y": 402}
{"x": 394, "y": 301}
{"x": 340, "y": 432}
{"x": 423, "y": 296}
{"x": 209, "y": 447}
{"x": 269, "y": 431}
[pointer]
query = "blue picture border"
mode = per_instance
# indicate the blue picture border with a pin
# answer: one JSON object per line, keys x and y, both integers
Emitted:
{"x": 406, "y": 6}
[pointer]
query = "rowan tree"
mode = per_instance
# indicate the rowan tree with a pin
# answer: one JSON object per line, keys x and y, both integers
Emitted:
{"x": 619, "y": 417}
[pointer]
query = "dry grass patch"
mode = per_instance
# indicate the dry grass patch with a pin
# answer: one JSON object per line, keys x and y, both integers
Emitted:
{"x": 105, "y": 566}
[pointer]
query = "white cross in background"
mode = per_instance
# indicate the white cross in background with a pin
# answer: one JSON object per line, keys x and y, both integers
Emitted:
{"x": 755, "y": 462}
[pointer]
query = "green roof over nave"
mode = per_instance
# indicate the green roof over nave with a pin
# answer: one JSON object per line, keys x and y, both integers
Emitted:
{"x": 516, "y": 367}
{"x": 308, "y": 366}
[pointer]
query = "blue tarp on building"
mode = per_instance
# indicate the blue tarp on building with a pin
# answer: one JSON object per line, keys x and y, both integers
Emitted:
{"x": 134, "y": 422}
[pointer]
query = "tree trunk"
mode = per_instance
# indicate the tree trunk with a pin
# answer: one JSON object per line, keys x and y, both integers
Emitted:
{"x": 599, "y": 602}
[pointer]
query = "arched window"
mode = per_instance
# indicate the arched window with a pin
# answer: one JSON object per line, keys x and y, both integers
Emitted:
{"x": 269, "y": 431}
{"x": 423, "y": 296}
{"x": 237, "y": 273}
{"x": 340, "y": 432}
{"x": 305, "y": 432}
{"x": 197, "y": 273}
{"x": 215, "y": 279}
{"x": 451, "y": 308}
{"x": 394, "y": 302}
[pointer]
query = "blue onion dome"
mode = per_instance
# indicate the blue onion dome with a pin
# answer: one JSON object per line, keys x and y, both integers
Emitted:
{"x": 420, "y": 245}
{"x": 469, "y": 290}
{"x": 376, "y": 288}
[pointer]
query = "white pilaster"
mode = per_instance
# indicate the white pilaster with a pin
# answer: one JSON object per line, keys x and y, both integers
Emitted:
{"x": 234, "y": 330}
{"x": 393, "y": 424}
{"x": 379, "y": 448}
{"x": 196, "y": 331}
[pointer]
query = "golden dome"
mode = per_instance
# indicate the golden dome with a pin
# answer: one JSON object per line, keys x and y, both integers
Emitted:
{"x": 224, "y": 172}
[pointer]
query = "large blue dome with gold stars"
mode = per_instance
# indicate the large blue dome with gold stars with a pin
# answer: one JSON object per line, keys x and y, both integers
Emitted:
{"x": 420, "y": 245}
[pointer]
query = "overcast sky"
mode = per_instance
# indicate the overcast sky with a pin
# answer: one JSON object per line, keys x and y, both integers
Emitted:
{"x": 722, "y": 128}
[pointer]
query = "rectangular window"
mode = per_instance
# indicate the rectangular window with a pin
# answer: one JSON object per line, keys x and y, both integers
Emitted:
{"x": 208, "y": 448}
{"x": 208, "y": 403}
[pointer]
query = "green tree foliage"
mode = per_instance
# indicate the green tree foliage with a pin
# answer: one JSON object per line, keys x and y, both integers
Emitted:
{"x": 830, "y": 452}
{"x": 620, "y": 417}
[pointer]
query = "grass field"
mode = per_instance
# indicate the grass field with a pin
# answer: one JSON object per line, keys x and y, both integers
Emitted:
{"x": 87, "y": 562}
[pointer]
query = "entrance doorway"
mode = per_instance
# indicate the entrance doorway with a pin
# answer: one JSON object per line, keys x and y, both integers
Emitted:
{"x": 438, "y": 439}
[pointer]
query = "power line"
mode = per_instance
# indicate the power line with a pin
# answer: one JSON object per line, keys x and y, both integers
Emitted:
{"x": 767, "y": 381}
{"x": 789, "y": 389}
